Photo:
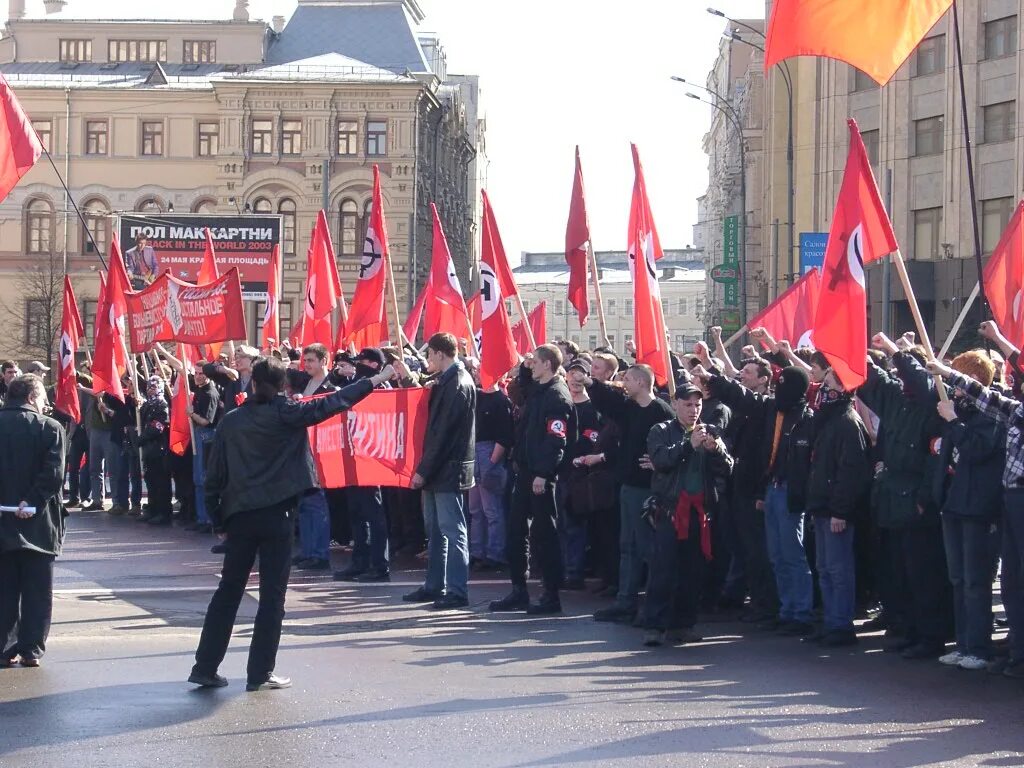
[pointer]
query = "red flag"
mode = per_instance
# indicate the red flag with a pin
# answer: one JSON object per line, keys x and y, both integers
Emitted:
{"x": 497, "y": 347}
{"x": 538, "y": 319}
{"x": 181, "y": 396}
{"x": 271, "y": 333}
{"x": 651, "y": 344}
{"x": 861, "y": 233}
{"x": 111, "y": 359}
{"x": 445, "y": 307}
{"x": 322, "y": 286}
{"x": 791, "y": 316}
{"x": 1004, "y": 279}
{"x": 875, "y": 36}
{"x": 475, "y": 321}
{"x": 208, "y": 269}
{"x": 412, "y": 322}
{"x": 101, "y": 298}
{"x": 368, "y": 300}
{"x": 577, "y": 238}
{"x": 295, "y": 335}
{"x": 71, "y": 330}
{"x": 20, "y": 147}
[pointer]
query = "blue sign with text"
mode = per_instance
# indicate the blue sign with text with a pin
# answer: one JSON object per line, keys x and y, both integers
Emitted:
{"x": 812, "y": 250}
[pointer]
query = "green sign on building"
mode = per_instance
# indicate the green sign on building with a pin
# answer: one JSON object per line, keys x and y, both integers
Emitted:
{"x": 731, "y": 262}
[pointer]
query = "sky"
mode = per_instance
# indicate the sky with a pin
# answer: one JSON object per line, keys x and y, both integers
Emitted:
{"x": 554, "y": 74}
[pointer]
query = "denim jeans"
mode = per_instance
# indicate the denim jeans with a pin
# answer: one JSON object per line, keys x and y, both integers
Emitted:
{"x": 572, "y": 533}
{"x": 969, "y": 561}
{"x": 79, "y": 485}
{"x": 1012, "y": 579}
{"x": 836, "y": 574}
{"x": 785, "y": 535}
{"x": 447, "y": 549}
{"x": 635, "y": 537}
{"x": 314, "y": 526}
{"x": 204, "y": 436}
{"x": 104, "y": 457}
{"x": 369, "y": 529}
{"x": 129, "y": 476}
{"x": 487, "y": 506}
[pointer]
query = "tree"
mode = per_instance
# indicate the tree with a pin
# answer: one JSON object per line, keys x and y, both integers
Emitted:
{"x": 37, "y": 312}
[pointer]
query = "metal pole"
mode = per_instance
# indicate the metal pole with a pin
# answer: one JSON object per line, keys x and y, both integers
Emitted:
{"x": 791, "y": 184}
{"x": 774, "y": 265}
{"x": 886, "y": 264}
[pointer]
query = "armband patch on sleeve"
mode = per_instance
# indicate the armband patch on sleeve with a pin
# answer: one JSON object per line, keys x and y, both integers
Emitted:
{"x": 557, "y": 427}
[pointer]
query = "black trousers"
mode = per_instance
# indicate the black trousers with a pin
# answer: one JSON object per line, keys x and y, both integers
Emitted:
{"x": 677, "y": 568}
{"x": 605, "y": 542}
{"x": 79, "y": 448}
{"x": 158, "y": 483}
{"x": 181, "y": 471}
{"x": 533, "y": 516}
{"x": 930, "y": 593}
{"x": 26, "y": 603}
{"x": 752, "y": 539}
{"x": 268, "y": 533}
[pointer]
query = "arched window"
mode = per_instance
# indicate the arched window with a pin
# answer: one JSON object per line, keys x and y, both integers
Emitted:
{"x": 149, "y": 205}
{"x": 97, "y": 219}
{"x": 204, "y": 205}
{"x": 367, "y": 208}
{"x": 349, "y": 228}
{"x": 39, "y": 227}
{"x": 262, "y": 205}
{"x": 287, "y": 210}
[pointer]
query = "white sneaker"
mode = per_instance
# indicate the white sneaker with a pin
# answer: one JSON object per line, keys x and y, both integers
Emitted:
{"x": 951, "y": 659}
{"x": 972, "y": 663}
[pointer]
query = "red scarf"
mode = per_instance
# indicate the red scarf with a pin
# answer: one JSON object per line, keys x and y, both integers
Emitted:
{"x": 684, "y": 507}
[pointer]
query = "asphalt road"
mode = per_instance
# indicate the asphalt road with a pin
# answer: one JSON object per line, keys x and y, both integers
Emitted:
{"x": 379, "y": 683}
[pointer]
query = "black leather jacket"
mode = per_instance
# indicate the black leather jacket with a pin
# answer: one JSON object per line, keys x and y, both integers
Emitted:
{"x": 543, "y": 432}
{"x": 260, "y": 453}
{"x": 450, "y": 442}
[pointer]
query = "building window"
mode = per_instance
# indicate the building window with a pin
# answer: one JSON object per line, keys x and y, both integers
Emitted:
{"x": 291, "y": 137}
{"x": 871, "y": 145}
{"x": 98, "y": 225}
{"x": 508, "y": 307}
{"x": 611, "y": 305}
{"x": 376, "y": 138}
{"x": 262, "y": 205}
{"x": 664, "y": 307}
{"x": 349, "y": 227}
{"x": 262, "y": 137}
{"x": 37, "y": 324}
{"x": 95, "y": 137}
{"x": 149, "y": 205}
{"x": 367, "y": 212}
{"x": 526, "y": 305}
{"x": 348, "y": 138}
{"x": 995, "y": 215}
{"x": 40, "y": 227}
{"x": 927, "y": 233}
{"x": 680, "y": 342}
{"x": 204, "y": 205}
{"x": 592, "y": 341}
{"x": 1001, "y": 37}
{"x": 928, "y": 138}
{"x": 862, "y": 82}
{"x": 591, "y": 307}
{"x": 611, "y": 340}
{"x": 44, "y": 130}
{"x": 137, "y": 50}
{"x": 153, "y": 138}
{"x": 199, "y": 52}
{"x": 930, "y": 56}
{"x": 998, "y": 122}
{"x": 287, "y": 210}
{"x": 627, "y": 338}
{"x": 89, "y": 318}
{"x": 284, "y": 310}
{"x": 73, "y": 51}
{"x": 628, "y": 309}
{"x": 684, "y": 307}
{"x": 559, "y": 307}
{"x": 209, "y": 139}
{"x": 699, "y": 301}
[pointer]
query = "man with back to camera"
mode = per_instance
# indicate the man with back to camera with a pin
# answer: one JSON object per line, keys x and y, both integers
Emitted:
{"x": 260, "y": 465}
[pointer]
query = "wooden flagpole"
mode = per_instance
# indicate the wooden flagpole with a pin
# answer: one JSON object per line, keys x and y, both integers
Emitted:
{"x": 525, "y": 318}
{"x": 908, "y": 289}
{"x": 597, "y": 291}
{"x": 396, "y": 328}
{"x": 960, "y": 320}
{"x": 735, "y": 337}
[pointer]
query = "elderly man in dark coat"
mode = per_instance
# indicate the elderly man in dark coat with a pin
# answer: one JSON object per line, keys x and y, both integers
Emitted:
{"x": 32, "y": 450}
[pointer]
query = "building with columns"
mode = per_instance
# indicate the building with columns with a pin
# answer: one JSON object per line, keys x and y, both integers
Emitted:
{"x": 238, "y": 115}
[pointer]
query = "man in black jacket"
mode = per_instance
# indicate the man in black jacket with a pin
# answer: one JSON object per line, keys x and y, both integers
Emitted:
{"x": 260, "y": 465}
{"x": 540, "y": 447}
{"x": 444, "y": 473}
{"x": 32, "y": 448}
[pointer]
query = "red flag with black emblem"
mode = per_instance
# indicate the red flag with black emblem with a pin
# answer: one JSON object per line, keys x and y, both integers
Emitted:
{"x": 1004, "y": 280}
{"x": 322, "y": 286}
{"x": 71, "y": 330}
{"x": 861, "y": 233}
{"x": 111, "y": 358}
{"x": 444, "y": 308}
{"x": 498, "y": 352}
{"x": 367, "y": 308}
{"x": 791, "y": 316}
{"x": 577, "y": 239}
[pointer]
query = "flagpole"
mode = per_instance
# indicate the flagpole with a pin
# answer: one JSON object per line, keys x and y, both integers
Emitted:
{"x": 597, "y": 291}
{"x": 71, "y": 199}
{"x": 525, "y": 318}
{"x": 735, "y": 337}
{"x": 669, "y": 373}
{"x": 396, "y": 328}
{"x": 908, "y": 289}
{"x": 960, "y": 320}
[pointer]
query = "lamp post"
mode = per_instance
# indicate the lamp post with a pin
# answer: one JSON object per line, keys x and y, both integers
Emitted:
{"x": 733, "y": 117}
{"x": 787, "y": 78}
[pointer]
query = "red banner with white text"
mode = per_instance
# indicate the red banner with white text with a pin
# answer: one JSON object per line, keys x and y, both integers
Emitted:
{"x": 378, "y": 442}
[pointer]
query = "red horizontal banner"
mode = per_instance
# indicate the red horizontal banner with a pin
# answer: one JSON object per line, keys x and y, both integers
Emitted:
{"x": 378, "y": 442}
{"x": 171, "y": 310}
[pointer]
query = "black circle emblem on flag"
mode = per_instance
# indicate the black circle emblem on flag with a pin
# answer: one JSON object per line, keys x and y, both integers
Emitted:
{"x": 490, "y": 291}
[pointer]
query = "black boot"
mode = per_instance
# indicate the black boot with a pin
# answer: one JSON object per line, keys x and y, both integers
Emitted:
{"x": 516, "y": 600}
{"x": 547, "y": 605}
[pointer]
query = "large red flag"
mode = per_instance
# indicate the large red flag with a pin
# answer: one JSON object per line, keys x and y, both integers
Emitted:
{"x": 412, "y": 322}
{"x": 649, "y": 324}
{"x": 538, "y": 319}
{"x": 1004, "y": 279}
{"x": 577, "y": 238}
{"x": 475, "y": 322}
{"x": 861, "y": 233}
{"x": 791, "y": 316}
{"x": 367, "y": 307}
{"x": 445, "y": 308}
{"x": 271, "y": 334}
{"x": 497, "y": 347}
{"x": 101, "y": 299}
{"x": 322, "y": 286}
{"x": 181, "y": 433}
{"x": 20, "y": 147}
{"x": 875, "y": 36}
{"x": 111, "y": 358}
{"x": 295, "y": 335}
{"x": 71, "y": 330}
{"x": 208, "y": 273}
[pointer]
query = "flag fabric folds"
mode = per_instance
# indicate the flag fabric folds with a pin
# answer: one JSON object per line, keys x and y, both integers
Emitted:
{"x": 20, "y": 147}
{"x": 71, "y": 331}
{"x": 861, "y": 233}
{"x": 644, "y": 251}
{"x": 323, "y": 287}
{"x": 1004, "y": 279}
{"x": 270, "y": 335}
{"x": 791, "y": 316}
{"x": 875, "y": 36}
{"x": 577, "y": 239}
{"x": 445, "y": 308}
{"x": 110, "y": 360}
{"x": 367, "y": 309}
{"x": 181, "y": 396}
{"x": 497, "y": 347}
{"x": 538, "y": 319}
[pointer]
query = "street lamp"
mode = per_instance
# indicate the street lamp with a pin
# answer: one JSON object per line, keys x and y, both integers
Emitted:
{"x": 731, "y": 115}
{"x": 787, "y": 78}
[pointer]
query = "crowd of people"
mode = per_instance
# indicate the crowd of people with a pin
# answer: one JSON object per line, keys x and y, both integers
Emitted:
{"x": 761, "y": 490}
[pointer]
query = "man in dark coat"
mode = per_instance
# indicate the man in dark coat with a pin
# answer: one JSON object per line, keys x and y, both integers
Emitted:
{"x": 32, "y": 450}
{"x": 444, "y": 473}
{"x": 260, "y": 465}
